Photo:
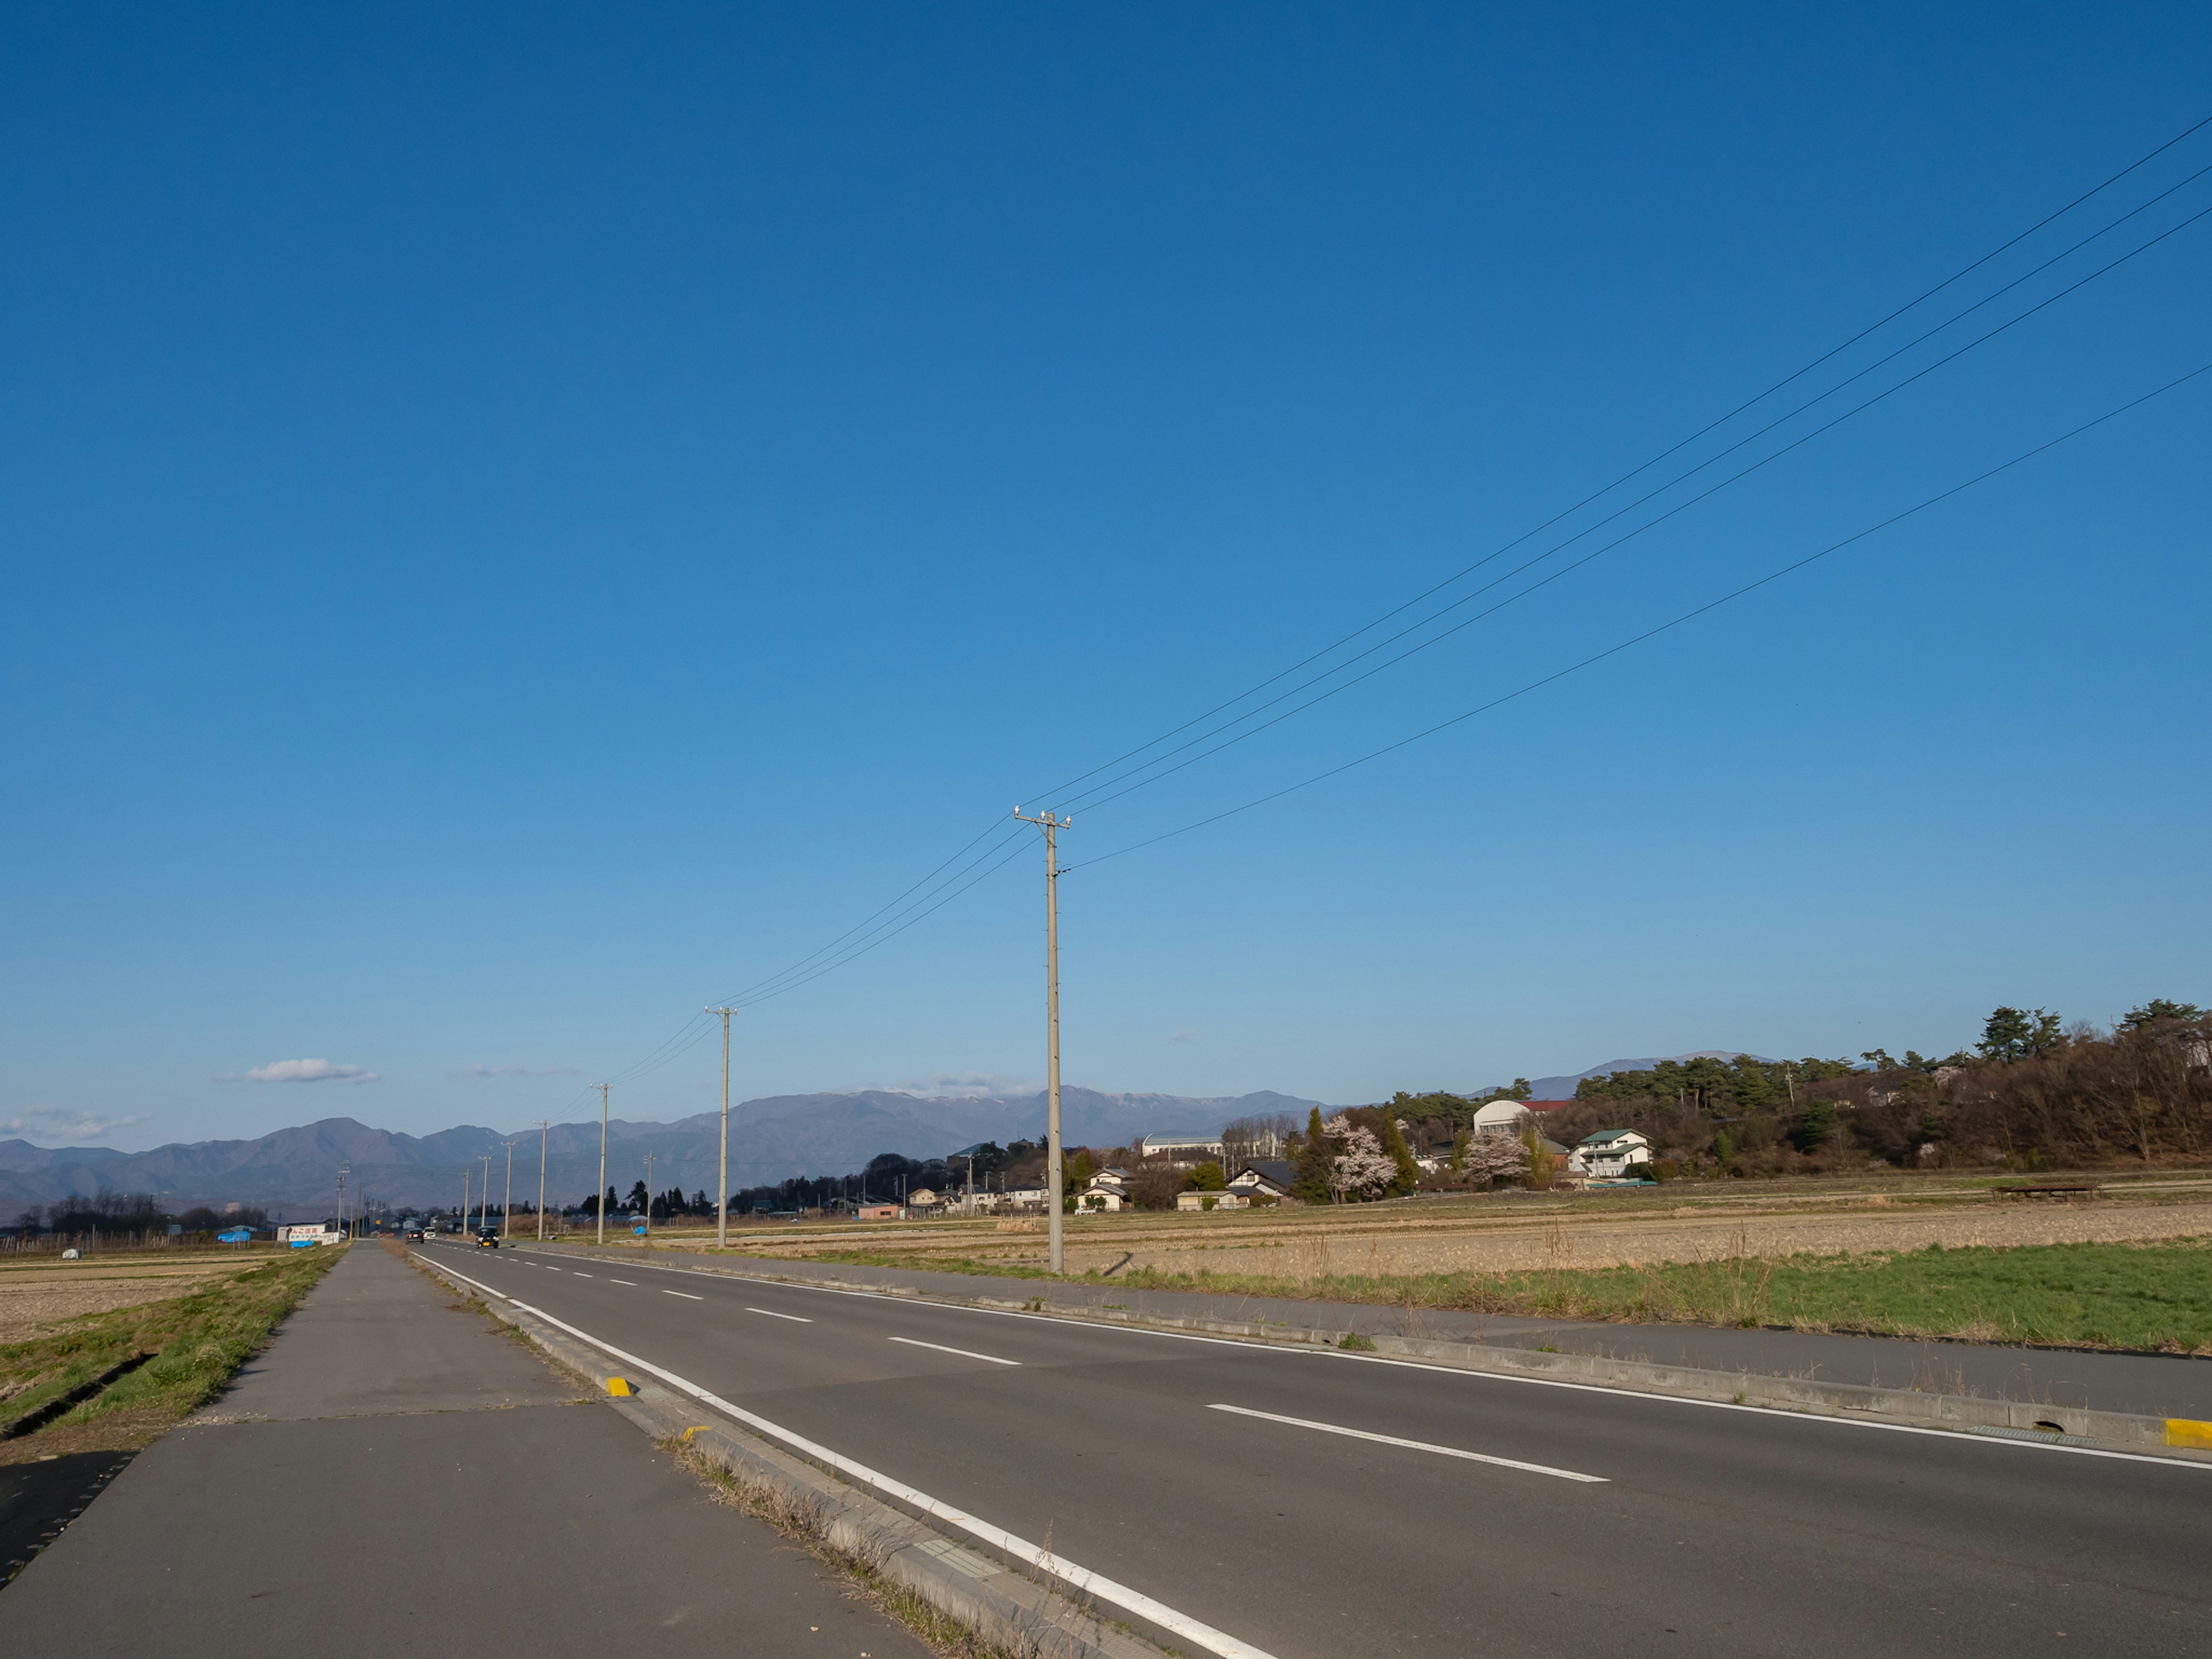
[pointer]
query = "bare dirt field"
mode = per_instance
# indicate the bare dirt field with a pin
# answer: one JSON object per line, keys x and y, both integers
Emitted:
{"x": 33, "y": 1298}
{"x": 1493, "y": 1232}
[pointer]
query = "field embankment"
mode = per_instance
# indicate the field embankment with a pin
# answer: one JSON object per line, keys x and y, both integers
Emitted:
{"x": 196, "y": 1322}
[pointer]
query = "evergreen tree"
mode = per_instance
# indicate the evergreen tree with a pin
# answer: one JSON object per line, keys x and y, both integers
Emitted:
{"x": 1314, "y": 1153}
{"x": 1394, "y": 1143}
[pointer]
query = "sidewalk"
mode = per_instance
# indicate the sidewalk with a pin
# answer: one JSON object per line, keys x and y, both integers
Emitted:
{"x": 2153, "y": 1385}
{"x": 395, "y": 1475}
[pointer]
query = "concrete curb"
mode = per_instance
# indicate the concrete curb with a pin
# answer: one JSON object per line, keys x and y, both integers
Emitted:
{"x": 2184, "y": 1438}
{"x": 1009, "y": 1610}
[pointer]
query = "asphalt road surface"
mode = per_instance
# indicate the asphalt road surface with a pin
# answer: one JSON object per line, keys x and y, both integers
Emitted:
{"x": 394, "y": 1476}
{"x": 1271, "y": 1494}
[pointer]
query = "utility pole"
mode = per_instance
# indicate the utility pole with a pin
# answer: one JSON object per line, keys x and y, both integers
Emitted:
{"x": 722, "y": 1190}
{"x": 599, "y": 1202}
{"x": 483, "y": 1199}
{"x": 541, "y": 1180}
{"x": 507, "y": 1204}
{"x": 648, "y": 1198}
{"x": 1051, "y": 826}
{"x": 467, "y": 1175}
{"x": 343, "y": 1168}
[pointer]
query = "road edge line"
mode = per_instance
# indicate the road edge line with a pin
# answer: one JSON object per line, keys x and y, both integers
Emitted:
{"x": 1003, "y": 1606}
{"x": 2137, "y": 1437}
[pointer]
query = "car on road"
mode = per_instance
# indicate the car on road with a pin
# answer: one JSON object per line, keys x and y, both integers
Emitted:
{"x": 487, "y": 1238}
{"x": 414, "y": 1234}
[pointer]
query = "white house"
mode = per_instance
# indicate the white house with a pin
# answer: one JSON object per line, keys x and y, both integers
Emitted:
{"x": 1181, "y": 1149}
{"x": 1609, "y": 1154}
{"x": 1212, "y": 1201}
{"x": 1271, "y": 1176}
{"x": 1513, "y": 1117}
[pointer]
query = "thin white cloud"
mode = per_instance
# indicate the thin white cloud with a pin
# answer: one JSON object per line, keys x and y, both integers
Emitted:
{"x": 520, "y": 1071}
{"x": 59, "y": 1123}
{"x": 309, "y": 1071}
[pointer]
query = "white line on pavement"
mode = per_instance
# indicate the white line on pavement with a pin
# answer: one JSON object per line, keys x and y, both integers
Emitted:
{"x": 965, "y": 1353}
{"x": 795, "y": 1318}
{"x": 632, "y": 1283}
{"x": 581, "y": 1274}
{"x": 1414, "y": 1445}
{"x": 1807, "y": 1419}
{"x": 1098, "y": 1584}
{"x": 686, "y": 1295}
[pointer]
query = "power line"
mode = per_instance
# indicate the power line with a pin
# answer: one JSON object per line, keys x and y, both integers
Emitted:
{"x": 1965, "y": 271}
{"x": 1595, "y": 553}
{"x": 1650, "y": 633}
{"x": 937, "y": 888}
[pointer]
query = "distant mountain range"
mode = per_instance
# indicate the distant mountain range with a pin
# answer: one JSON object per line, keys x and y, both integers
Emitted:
{"x": 769, "y": 1140}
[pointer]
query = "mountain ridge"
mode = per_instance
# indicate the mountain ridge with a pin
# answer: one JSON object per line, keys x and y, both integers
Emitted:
{"x": 770, "y": 1137}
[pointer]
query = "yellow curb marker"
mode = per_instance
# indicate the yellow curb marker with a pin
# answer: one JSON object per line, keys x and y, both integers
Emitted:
{"x": 2187, "y": 1432}
{"x": 619, "y": 1385}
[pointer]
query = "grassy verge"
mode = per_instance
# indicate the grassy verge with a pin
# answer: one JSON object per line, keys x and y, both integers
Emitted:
{"x": 938, "y": 1631}
{"x": 2143, "y": 1296}
{"x": 197, "y": 1341}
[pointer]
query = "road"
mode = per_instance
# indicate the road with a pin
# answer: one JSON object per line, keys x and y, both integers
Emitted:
{"x": 392, "y": 1476}
{"x": 1226, "y": 1481}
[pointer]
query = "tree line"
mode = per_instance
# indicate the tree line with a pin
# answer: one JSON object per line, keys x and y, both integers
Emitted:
{"x": 2031, "y": 1093}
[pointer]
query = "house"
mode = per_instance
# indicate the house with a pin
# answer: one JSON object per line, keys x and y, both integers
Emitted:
{"x": 1267, "y": 1177}
{"x": 1513, "y": 1117}
{"x": 1023, "y": 1198}
{"x": 1212, "y": 1201}
{"x": 1609, "y": 1154}
{"x": 1100, "y": 1197}
{"x": 877, "y": 1212}
{"x": 1179, "y": 1149}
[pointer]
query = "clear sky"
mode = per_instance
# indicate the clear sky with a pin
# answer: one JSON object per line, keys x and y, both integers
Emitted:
{"x": 519, "y": 521}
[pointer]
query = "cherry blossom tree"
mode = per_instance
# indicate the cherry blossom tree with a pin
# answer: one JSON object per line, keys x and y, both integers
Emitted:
{"x": 1360, "y": 1168}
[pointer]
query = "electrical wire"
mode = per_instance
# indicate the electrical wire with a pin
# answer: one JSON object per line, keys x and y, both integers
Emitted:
{"x": 937, "y": 888}
{"x": 1054, "y": 793}
{"x": 1596, "y": 553}
{"x": 1653, "y": 633}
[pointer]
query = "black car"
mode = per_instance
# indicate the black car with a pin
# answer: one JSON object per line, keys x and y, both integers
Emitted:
{"x": 487, "y": 1238}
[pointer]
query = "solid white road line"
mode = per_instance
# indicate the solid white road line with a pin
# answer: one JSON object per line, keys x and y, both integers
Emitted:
{"x": 795, "y": 1318}
{"x": 1414, "y": 1445}
{"x": 964, "y": 1353}
{"x": 1954, "y": 1435}
{"x": 686, "y": 1295}
{"x": 1248, "y": 1346}
{"x": 1092, "y": 1583}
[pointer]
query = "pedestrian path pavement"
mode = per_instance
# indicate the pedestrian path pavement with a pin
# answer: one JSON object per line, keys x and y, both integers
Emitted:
{"x": 394, "y": 1475}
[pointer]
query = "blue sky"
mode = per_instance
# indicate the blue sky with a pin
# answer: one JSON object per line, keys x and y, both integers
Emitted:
{"x": 520, "y": 521}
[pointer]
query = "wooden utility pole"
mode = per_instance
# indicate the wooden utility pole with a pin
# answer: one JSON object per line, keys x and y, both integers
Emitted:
{"x": 722, "y": 1191}
{"x": 599, "y": 1202}
{"x": 1051, "y": 826}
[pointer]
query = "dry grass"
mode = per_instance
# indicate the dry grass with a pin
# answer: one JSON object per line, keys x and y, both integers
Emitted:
{"x": 33, "y": 1298}
{"x": 803, "y": 1522}
{"x": 198, "y": 1340}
